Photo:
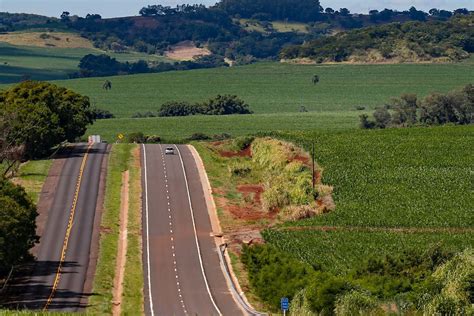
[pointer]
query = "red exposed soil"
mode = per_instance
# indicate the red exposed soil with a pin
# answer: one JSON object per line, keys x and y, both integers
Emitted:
{"x": 243, "y": 153}
{"x": 302, "y": 159}
{"x": 247, "y": 212}
{"x": 252, "y": 189}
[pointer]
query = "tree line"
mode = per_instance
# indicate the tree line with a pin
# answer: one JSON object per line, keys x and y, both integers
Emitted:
{"x": 103, "y": 65}
{"x": 452, "y": 40}
{"x": 35, "y": 117}
{"x": 221, "y": 28}
{"x": 456, "y": 107}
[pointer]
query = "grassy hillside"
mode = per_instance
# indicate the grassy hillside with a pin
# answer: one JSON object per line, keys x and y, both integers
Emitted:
{"x": 49, "y": 63}
{"x": 275, "y": 87}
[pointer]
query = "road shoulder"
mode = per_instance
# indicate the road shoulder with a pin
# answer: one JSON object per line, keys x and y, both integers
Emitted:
{"x": 216, "y": 228}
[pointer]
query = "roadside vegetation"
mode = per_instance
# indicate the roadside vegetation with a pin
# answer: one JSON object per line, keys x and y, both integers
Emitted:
{"x": 435, "y": 281}
{"x": 121, "y": 158}
{"x": 34, "y": 118}
{"x": 32, "y": 175}
{"x": 350, "y": 260}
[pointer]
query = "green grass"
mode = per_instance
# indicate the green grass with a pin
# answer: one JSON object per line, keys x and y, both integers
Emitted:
{"x": 276, "y": 87}
{"x": 176, "y": 128}
{"x": 133, "y": 279}
{"x": 338, "y": 251}
{"x": 411, "y": 177}
{"x": 120, "y": 159}
{"x": 44, "y": 63}
{"x": 32, "y": 175}
{"x": 282, "y": 26}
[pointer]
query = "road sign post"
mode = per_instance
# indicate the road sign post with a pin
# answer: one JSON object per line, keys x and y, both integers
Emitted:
{"x": 285, "y": 304}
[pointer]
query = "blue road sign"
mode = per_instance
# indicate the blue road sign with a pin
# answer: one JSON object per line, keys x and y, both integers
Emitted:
{"x": 284, "y": 303}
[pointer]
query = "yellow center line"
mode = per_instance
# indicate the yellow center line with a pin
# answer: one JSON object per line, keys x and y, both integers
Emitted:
{"x": 68, "y": 230}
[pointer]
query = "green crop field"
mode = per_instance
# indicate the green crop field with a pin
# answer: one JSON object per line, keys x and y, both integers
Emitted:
{"x": 394, "y": 189}
{"x": 43, "y": 63}
{"x": 177, "y": 128}
{"x": 276, "y": 87}
{"x": 412, "y": 177}
{"x": 338, "y": 251}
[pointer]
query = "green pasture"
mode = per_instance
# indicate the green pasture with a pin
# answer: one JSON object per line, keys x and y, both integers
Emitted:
{"x": 276, "y": 87}
{"x": 178, "y": 128}
{"x": 47, "y": 63}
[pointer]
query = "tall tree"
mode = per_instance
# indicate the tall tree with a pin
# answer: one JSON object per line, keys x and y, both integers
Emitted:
{"x": 44, "y": 115}
{"x": 17, "y": 225}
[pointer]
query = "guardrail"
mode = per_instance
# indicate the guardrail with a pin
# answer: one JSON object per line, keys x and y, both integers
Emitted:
{"x": 237, "y": 295}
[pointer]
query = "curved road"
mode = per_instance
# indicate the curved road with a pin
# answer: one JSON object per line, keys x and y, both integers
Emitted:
{"x": 58, "y": 278}
{"x": 183, "y": 275}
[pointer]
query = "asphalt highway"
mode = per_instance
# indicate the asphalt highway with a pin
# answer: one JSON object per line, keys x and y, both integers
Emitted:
{"x": 182, "y": 268}
{"x": 58, "y": 277}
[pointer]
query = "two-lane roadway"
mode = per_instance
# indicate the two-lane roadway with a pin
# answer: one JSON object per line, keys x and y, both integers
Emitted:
{"x": 183, "y": 275}
{"x": 59, "y": 275}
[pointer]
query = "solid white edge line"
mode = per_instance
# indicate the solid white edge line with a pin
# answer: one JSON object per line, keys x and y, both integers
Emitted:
{"x": 147, "y": 232}
{"x": 195, "y": 233}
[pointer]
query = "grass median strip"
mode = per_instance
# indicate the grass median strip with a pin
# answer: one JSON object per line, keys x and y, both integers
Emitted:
{"x": 132, "y": 301}
{"x": 120, "y": 160}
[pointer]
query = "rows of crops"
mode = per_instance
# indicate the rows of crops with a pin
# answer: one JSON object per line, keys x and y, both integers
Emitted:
{"x": 176, "y": 128}
{"x": 415, "y": 177}
{"x": 338, "y": 251}
{"x": 275, "y": 87}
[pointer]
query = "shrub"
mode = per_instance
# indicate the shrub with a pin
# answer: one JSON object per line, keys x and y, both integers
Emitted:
{"x": 324, "y": 291}
{"x": 225, "y": 105}
{"x": 274, "y": 274}
{"x": 137, "y": 137}
{"x": 153, "y": 139}
{"x": 242, "y": 142}
{"x": 299, "y": 305}
{"x": 239, "y": 169}
{"x": 357, "y": 303}
{"x": 365, "y": 123}
{"x": 199, "y": 136}
{"x": 144, "y": 114}
{"x": 382, "y": 117}
{"x": 176, "y": 108}
{"x": 222, "y": 136}
{"x": 100, "y": 114}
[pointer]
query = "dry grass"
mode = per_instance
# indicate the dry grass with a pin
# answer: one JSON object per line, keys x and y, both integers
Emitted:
{"x": 186, "y": 51}
{"x": 46, "y": 39}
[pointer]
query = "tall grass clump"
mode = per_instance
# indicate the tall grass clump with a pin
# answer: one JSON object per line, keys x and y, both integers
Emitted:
{"x": 288, "y": 182}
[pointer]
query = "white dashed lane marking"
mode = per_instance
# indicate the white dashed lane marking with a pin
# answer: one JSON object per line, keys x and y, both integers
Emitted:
{"x": 172, "y": 239}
